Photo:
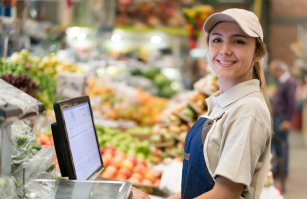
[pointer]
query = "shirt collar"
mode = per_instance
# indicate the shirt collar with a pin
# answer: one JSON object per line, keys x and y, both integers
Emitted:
{"x": 282, "y": 79}
{"x": 235, "y": 93}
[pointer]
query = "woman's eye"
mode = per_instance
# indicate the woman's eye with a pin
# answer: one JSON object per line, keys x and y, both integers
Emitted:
{"x": 216, "y": 40}
{"x": 239, "y": 42}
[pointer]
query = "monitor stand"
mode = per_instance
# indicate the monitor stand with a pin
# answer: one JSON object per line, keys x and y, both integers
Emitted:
{"x": 58, "y": 148}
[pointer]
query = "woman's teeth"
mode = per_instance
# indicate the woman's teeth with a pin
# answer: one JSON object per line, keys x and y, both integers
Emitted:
{"x": 227, "y": 63}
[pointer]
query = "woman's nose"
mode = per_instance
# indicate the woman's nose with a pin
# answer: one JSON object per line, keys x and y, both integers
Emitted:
{"x": 225, "y": 50}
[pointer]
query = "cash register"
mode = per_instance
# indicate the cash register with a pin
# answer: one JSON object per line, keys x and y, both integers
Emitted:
{"x": 78, "y": 154}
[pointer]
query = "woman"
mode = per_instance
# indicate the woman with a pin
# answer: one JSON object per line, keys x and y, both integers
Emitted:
{"x": 227, "y": 151}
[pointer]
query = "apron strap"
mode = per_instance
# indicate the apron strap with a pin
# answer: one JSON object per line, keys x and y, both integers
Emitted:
{"x": 207, "y": 127}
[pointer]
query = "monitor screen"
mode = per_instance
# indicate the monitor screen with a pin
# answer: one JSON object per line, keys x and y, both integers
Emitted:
{"x": 82, "y": 140}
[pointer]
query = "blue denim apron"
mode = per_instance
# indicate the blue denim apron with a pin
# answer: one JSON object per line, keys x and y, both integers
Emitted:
{"x": 196, "y": 178}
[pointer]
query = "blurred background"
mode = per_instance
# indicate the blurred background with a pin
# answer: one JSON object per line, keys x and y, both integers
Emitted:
{"x": 154, "y": 52}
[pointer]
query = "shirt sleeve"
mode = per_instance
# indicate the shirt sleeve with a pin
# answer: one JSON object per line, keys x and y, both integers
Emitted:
{"x": 244, "y": 141}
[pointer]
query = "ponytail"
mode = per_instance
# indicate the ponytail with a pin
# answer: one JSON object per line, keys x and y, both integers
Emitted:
{"x": 259, "y": 74}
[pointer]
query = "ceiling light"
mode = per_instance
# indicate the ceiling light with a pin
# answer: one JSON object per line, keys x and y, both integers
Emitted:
{"x": 156, "y": 39}
{"x": 81, "y": 36}
{"x": 116, "y": 37}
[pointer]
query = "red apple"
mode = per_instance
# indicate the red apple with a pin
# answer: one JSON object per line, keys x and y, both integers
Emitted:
{"x": 108, "y": 175}
{"x": 142, "y": 162}
{"x": 120, "y": 153}
{"x": 111, "y": 169}
{"x": 157, "y": 182}
{"x": 137, "y": 176}
{"x": 101, "y": 150}
{"x": 108, "y": 151}
{"x": 140, "y": 168}
{"x": 40, "y": 140}
{"x": 112, "y": 148}
{"x": 49, "y": 143}
{"x": 125, "y": 171}
{"x": 116, "y": 161}
{"x": 120, "y": 177}
{"x": 127, "y": 164}
{"x": 146, "y": 182}
{"x": 132, "y": 159}
{"x": 133, "y": 180}
{"x": 150, "y": 175}
{"x": 44, "y": 138}
{"x": 107, "y": 157}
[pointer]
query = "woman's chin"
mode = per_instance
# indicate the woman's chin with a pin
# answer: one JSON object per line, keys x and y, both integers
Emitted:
{"x": 225, "y": 75}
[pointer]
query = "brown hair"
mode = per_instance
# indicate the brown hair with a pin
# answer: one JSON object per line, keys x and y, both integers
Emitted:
{"x": 258, "y": 73}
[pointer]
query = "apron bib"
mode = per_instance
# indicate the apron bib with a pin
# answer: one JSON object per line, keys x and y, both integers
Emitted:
{"x": 196, "y": 178}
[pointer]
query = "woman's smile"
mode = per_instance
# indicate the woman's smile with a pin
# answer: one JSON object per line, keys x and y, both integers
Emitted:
{"x": 226, "y": 63}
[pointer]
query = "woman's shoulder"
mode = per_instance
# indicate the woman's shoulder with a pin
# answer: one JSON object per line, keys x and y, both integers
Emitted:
{"x": 250, "y": 106}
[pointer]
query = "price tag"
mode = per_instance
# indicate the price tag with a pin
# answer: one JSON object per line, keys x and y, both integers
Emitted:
{"x": 70, "y": 85}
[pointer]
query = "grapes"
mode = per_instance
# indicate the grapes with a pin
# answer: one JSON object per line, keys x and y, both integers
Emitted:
{"x": 22, "y": 82}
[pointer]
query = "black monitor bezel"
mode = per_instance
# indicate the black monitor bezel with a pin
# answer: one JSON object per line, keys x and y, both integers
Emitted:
{"x": 58, "y": 109}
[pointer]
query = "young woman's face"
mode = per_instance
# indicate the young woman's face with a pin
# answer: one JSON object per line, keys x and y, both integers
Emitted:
{"x": 231, "y": 51}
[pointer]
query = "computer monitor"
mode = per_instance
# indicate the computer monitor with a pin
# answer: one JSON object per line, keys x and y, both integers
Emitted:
{"x": 75, "y": 139}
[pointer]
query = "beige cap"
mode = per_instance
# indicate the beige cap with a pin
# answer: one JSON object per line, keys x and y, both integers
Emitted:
{"x": 247, "y": 20}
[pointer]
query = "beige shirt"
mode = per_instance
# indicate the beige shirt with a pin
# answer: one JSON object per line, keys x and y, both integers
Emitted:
{"x": 238, "y": 145}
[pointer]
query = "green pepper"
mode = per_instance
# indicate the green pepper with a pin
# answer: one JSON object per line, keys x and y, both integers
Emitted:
{"x": 51, "y": 168}
{"x": 21, "y": 140}
{"x": 36, "y": 146}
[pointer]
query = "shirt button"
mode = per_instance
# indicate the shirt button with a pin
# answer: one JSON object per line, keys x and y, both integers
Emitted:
{"x": 214, "y": 102}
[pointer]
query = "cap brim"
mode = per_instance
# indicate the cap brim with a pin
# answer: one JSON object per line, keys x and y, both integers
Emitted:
{"x": 219, "y": 17}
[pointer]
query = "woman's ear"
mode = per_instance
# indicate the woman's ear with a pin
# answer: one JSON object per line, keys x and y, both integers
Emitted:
{"x": 257, "y": 57}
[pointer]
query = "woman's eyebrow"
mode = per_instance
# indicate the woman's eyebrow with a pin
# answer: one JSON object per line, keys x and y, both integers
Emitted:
{"x": 219, "y": 34}
{"x": 235, "y": 35}
{"x": 238, "y": 35}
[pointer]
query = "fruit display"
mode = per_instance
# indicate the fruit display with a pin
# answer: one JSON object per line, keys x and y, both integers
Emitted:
{"x": 140, "y": 107}
{"x": 207, "y": 85}
{"x": 124, "y": 142}
{"x": 42, "y": 70}
{"x": 150, "y": 14}
{"x": 159, "y": 80}
{"x": 196, "y": 17}
{"x": 168, "y": 136}
{"x": 120, "y": 166}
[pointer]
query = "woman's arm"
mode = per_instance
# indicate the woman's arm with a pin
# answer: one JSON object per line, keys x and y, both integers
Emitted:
{"x": 176, "y": 196}
{"x": 137, "y": 194}
{"x": 224, "y": 189}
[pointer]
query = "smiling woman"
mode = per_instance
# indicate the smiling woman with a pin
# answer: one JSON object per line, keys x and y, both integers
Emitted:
{"x": 227, "y": 151}
{"x": 231, "y": 54}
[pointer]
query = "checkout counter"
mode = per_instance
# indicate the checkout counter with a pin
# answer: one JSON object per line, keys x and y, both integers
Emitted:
{"x": 76, "y": 147}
